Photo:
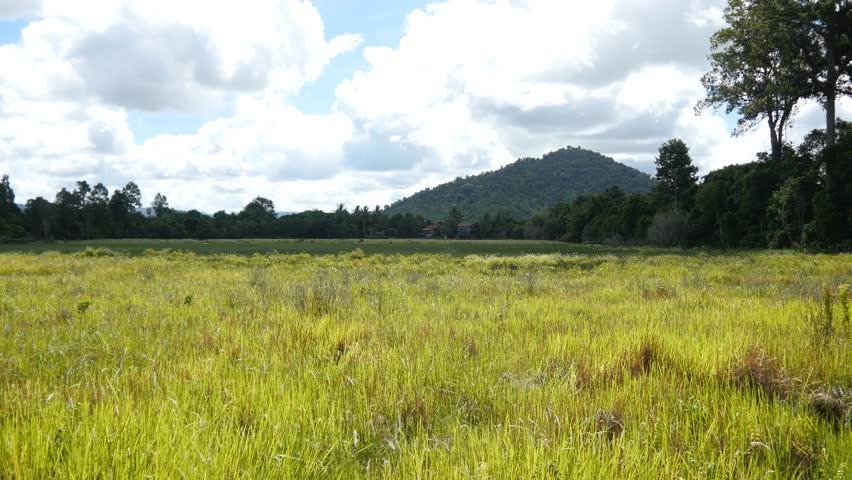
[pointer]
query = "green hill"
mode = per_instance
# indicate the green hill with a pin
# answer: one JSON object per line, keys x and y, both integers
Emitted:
{"x": 526, "y": 186}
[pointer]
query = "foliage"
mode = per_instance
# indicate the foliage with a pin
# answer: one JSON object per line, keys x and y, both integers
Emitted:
{"x": 526, "y": 186}
{"x": 756, "y": 70}
{"x": 676, "y": 175}
{"x": 668, "y": 228}
{"x": 10, "y": 216}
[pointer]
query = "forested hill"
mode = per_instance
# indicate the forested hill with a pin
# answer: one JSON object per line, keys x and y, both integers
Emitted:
{"x": 526, "y": 186}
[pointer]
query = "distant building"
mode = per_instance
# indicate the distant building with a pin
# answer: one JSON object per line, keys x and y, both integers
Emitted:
{"x": 431, "y": 231}
{"x": 464, "y": 230}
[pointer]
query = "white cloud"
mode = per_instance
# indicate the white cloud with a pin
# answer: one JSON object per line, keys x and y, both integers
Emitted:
{"x": 162, "y": 54}
{"x": 274, "y": 141}
{"x": 19, "y": 8}
{"x": 66, "y": 88}
{"x": 472, "y": 84}
{"x": 486, "y": 82}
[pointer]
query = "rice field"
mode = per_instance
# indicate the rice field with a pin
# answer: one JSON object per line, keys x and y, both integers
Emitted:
{"x": 178, "y": 365}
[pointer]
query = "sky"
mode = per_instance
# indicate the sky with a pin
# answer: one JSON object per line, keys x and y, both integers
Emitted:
{"x": 316, "y": 103}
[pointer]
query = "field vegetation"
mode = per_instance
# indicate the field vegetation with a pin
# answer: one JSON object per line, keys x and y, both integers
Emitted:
{"x": 173, "y": 364}
{"x": 456, "y": 248}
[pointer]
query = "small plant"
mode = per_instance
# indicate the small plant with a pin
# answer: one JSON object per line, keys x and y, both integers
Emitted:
{"x": 834, "y": 405}
{"x": 610, "y": 423}
{"x": 258, "y": 278}
{"x": 759, "y": 369}
{"x": 187, "y": 300}
{"x": 843, "y": 300}
{"x": 642, "y": 360}
{"x": 83, "y": 305}
{"x": 99, "y": 252}
{"x": 470, "y": 348}
{"x": 821, "y": 319}
{"x": 322, "y": 295}
{"x": 339, "y": 351}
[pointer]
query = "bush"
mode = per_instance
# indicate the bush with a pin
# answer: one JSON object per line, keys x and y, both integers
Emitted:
{"x": 668, "y": 229}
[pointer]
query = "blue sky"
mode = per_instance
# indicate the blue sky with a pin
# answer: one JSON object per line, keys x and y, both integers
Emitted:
{"x": 316, "y": 103}
{"x": 10, "y": 30}
{"x": 380, "y": 22}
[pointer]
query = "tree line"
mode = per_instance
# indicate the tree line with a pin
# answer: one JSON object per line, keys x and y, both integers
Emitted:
{"x": 87, "y": 212}
{"x": 774, "y": 202}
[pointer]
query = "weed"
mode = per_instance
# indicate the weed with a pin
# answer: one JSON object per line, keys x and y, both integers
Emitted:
{"x": 759, "y": 369}
{"x": 642, "y": 360}
{"x": 834, "y": 405}
{"x": 843, "y": 300}
{"x": 610, "y": 423}
{"x": 83, "y": 305}
{"x": 822, "y": 319}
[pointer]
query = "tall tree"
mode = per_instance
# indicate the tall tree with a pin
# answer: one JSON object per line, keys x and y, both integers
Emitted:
{"x": 676, "y": 175}
{"x": 160, "y": 204}
{"x": 38, "y": 218}
{"x": 97, "y": 210}
{"x": 756, "y": 67}
{"x": 122, "y": 207}
{"x": 10, "y": 215}
{"x": 824, "y": 41}
{"x": 454, "y": 218}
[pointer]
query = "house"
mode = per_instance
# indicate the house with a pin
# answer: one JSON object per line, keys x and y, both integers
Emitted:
{"x": 431, "y": 231}
{"x": 464, "y": 230}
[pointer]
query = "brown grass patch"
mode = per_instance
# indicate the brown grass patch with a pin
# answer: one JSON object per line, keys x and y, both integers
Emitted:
{"x": 760, "y": 370}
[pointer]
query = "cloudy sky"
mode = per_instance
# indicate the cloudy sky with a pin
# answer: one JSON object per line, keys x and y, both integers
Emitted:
{"x": 315, "y": 103}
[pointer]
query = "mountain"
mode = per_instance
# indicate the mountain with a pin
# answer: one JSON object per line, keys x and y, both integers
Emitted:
{"x": 526, "y": 186}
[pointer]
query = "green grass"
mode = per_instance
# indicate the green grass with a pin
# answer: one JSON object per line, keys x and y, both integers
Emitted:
{"x": 330, "y": 247}
{"x": 175, "y": 365}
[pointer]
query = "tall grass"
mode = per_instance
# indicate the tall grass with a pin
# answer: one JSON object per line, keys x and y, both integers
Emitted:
{"x": 424, "y": 366}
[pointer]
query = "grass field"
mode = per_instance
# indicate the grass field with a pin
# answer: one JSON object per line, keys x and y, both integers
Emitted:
{"x": 330, "y": 247}
{"x": 639, "y": 365}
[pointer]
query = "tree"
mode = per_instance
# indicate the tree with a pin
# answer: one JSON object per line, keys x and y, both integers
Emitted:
{"x": 454, "y": 218}
{"x": 97, "y": 211}
{"x": 676, "y": 175}
{"x": 825, "y": 44}
{"x": 67, "y": 207}
{"x": 756, "y": 67}
{"x": 10, "y": 216}
{"x": 37, "y": 218}
{"x": 261, "y": 213}
{"x": 133, "y": 195}
{"x": 99, "y": 195}
{"x": 160, "y": 204}
{"x": 122, "y": 208}
{"x": 7, "y": 197}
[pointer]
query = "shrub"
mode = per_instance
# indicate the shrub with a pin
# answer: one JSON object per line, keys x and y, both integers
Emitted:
{"x": 668, "y": 229}
{"x": 759, "y": 369}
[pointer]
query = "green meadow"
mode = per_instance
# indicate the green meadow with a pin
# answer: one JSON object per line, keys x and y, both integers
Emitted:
{"x": 330, "y": 247}
{"x": 364, "y": 362}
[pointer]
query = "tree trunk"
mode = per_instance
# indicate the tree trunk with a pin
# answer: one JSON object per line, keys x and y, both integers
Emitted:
{"x": 830, "y": 92}
{"x": 774, "y": 139}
